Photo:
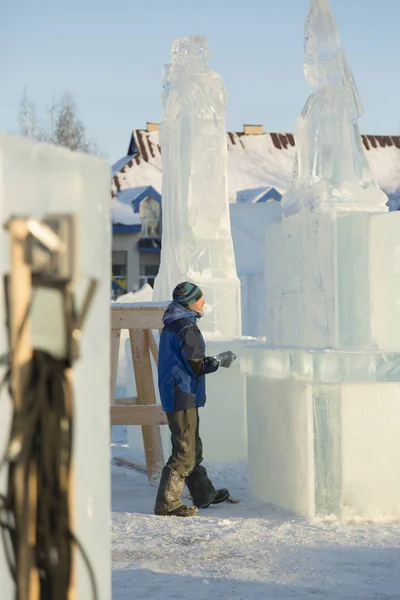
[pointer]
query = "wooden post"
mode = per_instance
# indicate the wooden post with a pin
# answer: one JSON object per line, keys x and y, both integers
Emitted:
{"x": 20, "y": 293}
{"x": 146, "y": 395}
{"x": 115, "y": 340}
{"x": 72, "y": 590}
{"x": 26, "y": 484}
{"x": 153, "y": 346}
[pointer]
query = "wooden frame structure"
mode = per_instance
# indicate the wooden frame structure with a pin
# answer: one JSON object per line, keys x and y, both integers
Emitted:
{"x": 21, "y": 343}
{"x": 139, "y": 320}
{"x": 20, "y": 293}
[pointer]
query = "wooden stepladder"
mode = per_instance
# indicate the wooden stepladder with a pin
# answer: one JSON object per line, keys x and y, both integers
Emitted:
{"x": 139, "y": 320}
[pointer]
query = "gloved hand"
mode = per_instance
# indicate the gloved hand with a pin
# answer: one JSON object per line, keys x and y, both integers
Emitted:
{"x": 225, "y": 359}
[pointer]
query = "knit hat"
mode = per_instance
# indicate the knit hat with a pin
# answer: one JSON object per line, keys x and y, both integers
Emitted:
{"x": 186, "y": 293}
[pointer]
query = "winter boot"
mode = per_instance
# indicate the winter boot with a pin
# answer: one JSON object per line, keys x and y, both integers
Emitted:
{"x": 169, "y": 492}
{"x": 181, "y": 511}
{"x": 222, "y": 496}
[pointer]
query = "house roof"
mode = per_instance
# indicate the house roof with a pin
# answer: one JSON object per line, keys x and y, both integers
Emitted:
{"x": 125, "y": 204}
{"x": 133, "y": 196}
{"x": 254, "y": 161}
{"x": 122, "y": 213}
{"x": 257, "y": 195}
{"x": 120, "y": 164}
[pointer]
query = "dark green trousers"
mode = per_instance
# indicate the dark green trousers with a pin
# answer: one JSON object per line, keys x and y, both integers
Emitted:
{"x": 184, "y": 464}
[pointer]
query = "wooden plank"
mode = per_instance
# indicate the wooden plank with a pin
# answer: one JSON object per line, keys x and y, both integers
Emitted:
{"x": 115, "y": 339}
{"x": 20, "y": 298}
{"x": 69, "y": 398}
{"x": 136, "y": 317}
{"x": 153, "y": 346}
{"x": 131, "y": 401}
{"x": 138, "y": 415}
{"x": 146, "y": 395}
{"x": 20, "y": 292}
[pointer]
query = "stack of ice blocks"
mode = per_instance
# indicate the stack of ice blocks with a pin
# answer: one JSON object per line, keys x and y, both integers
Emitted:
{"x": 324, "y": 394}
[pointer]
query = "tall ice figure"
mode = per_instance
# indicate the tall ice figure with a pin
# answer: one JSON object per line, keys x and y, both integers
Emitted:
{"x": 323, "y": 407}
{"x": 331, "y": 169}
{"x": 196, "y": 238}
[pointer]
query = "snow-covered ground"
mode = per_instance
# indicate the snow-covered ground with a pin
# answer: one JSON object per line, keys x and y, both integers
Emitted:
{"x": 243, "y": 551}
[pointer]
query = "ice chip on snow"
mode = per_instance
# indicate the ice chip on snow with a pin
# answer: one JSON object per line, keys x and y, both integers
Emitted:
{"x": 331, "y": 168}
{"x": 196, "y": 237}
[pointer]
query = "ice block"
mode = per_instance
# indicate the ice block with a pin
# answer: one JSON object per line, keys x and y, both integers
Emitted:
{"x": 335, "y": 282}
{"x": 36, "y": 180}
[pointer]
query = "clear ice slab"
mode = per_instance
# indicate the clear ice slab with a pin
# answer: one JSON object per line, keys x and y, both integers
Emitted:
{"x": 318, "y": 447}
{"x": 336, "y": 281}
{"x": 331, "y": 168}
{"x": 324, "y": 393}
{"x": 196, "y": 237}
{"x": 37, "y": 180}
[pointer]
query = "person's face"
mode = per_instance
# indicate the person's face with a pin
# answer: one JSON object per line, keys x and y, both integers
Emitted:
{"x": 198, "y": 306}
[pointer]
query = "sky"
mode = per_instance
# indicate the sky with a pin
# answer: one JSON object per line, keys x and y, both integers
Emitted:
{"x": 109, "y": 55}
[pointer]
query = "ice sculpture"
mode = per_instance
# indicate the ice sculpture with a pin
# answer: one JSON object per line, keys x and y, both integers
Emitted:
{"x": 322, "y": 394}
{"x": 40, "y": 179}
{"x": 196, "y": 238}
{"x": 331, "y": 168}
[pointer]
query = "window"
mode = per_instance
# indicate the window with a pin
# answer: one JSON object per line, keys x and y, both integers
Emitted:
{"x": 150, "y": 214}
{"x": 120, "y": 264}
{"x": 148, "y": 274}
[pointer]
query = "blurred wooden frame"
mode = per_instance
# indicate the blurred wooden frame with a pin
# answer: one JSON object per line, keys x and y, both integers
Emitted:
{"x": 19, "y": 297}
{"x": 142, "y": 409}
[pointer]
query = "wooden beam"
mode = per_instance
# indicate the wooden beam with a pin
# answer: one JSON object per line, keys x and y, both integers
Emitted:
{"x": 131, "y": 401}
{"x": 147, "y": 416}
{"x": 20, "y": 293}
{"x": 153, "y": 346}
{"x": 136, "y": 317}
{"x": 146, "y": 396}
{"x": 72, "y": 591}
{"x": 25, "y": 490}
{"x": 115, "y": 339}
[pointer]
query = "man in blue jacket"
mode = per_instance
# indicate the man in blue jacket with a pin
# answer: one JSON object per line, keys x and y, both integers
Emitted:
{"x": 182, "y": 366}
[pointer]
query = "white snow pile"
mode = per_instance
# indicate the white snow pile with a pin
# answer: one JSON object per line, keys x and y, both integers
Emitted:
{"x": 145, "y": 294}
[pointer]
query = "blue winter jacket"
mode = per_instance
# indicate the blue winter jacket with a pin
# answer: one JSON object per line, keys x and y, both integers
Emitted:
{"x": 182, "y": 364}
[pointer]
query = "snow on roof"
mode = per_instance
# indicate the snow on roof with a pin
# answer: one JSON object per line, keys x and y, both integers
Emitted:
{"x": 129, "y": 195}
{"x": 120, "y": 164}
{"x": 126, "y": 200}
{"x": 140, "y": 174}
{"x": 255, "y": 161}
{"x": 122, "y": 214}
{"x": 257, "y": 195}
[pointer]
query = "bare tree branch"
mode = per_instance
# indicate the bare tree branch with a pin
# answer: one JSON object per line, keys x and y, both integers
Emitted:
{"x": 61, "y": 126}
{"x": 27, "y": 120}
